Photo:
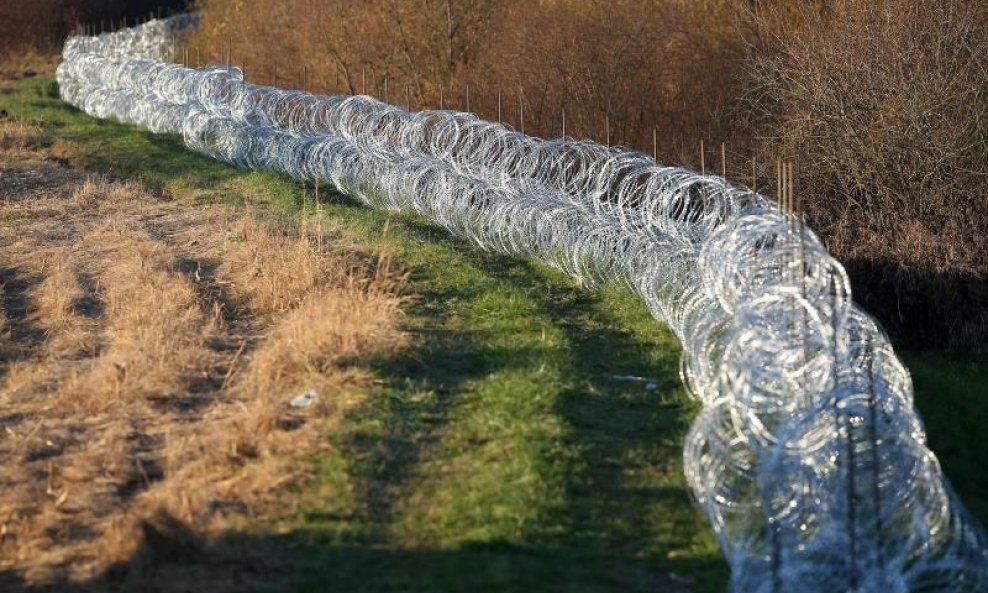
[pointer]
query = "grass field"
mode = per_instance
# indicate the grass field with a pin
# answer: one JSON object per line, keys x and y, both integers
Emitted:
{"x": 502, "y": 451}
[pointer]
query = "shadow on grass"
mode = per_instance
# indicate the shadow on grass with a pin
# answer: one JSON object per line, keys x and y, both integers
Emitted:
{"x": 615, "y": 432}
{"x": 172, "y": 558}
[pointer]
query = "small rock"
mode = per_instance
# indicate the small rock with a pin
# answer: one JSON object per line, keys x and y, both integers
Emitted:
{"x": 305, "y": 400}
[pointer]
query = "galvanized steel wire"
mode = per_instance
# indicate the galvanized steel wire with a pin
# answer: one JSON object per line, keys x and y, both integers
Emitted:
{"x": 808, "y": 456}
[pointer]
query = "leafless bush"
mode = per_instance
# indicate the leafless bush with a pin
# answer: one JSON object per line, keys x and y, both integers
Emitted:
{"x": 41, "y": 26}
{"x": 883, "y": 105}
{"x": 619, "y": 69}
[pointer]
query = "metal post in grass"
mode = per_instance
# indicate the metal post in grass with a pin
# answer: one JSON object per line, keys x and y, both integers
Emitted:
{"x": 521, "y": 108}
{"x": 723, "y": 160}
{"x": 778, "y": 184}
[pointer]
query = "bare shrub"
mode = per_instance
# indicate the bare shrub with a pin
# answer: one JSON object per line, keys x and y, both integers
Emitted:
{"x": 627, "y": 65}
{"x": 883, "y": 107}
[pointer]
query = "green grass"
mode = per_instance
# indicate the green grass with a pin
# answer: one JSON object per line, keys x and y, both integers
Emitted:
{"x": 952, "y": 397}
{"x": 501, "y": 454}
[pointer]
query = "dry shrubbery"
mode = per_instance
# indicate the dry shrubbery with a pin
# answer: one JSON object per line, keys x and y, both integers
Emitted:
{"x": 41, "y": 26}
{"x": 645, "y": 63}
{"x": 148, "y": 350}
{"x": 38, "y": 26}
{"x": 884, "y": 106}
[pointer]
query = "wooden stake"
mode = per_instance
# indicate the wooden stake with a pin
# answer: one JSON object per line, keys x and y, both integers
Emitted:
{"x": 607, "y": 128}
{"x": 387, "y": 96}
{"x": 498, "y": 106}
{"x": 442, "y": 101}
{"x": 467, "y": 87}
{"x": 754, "y": 175}
{"x": 655, "y": 144}
{"x": 564, "y": 121}
{"x": 703, "y": 163}
{"x": 229, "y": 52}
{"x": 363, "y": 80}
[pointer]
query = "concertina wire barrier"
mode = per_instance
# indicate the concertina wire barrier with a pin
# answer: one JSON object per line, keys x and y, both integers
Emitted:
{"x": 808, "y": 456}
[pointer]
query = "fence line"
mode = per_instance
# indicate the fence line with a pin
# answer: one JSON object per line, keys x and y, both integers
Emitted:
{"x": 808, "y": 456}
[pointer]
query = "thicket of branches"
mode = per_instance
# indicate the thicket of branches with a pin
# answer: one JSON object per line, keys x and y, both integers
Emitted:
{"x": 624, "y": 65}
{"x": 41, "y": 26}
{"x": 884, "y": 106}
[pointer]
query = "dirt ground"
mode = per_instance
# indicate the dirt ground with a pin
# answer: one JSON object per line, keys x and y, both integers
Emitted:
{"x": 149, "y": 349}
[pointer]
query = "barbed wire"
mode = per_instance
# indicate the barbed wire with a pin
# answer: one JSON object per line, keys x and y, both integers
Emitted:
{"x": 808, "y": 456}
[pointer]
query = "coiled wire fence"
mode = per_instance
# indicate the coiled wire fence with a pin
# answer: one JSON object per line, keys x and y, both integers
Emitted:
{"x": 808, "y": 456}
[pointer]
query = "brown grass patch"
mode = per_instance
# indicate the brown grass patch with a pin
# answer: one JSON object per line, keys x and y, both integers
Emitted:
{"x": 157, "y": 346}
{"x": 18, "y": 135}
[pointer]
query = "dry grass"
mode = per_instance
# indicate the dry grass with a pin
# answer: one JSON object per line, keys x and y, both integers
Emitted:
{"x": 16, "y": 135}
{"x": 274, "y": 272}
{"x": 148, "y": 350}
